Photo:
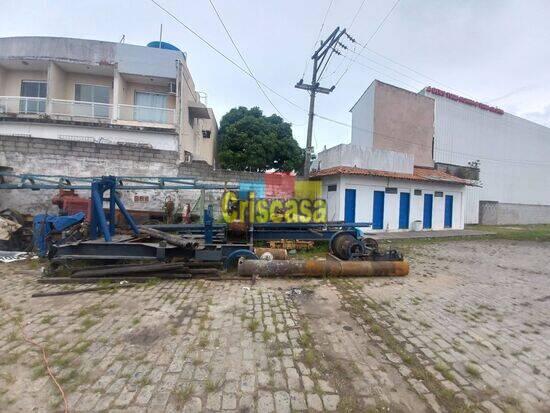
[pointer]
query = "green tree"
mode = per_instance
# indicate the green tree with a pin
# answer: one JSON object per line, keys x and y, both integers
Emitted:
{"x": 250, "y": 141}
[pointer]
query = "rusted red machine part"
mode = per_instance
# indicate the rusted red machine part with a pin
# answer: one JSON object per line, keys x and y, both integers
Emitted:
{"x": 322, "y": 268}
{"x": 278, "y": 253}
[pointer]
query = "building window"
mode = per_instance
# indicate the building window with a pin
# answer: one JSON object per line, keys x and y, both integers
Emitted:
{"x": 89, "y": 95}
{"x": 391, "y": 190}
{"x": 206, "y": 134}
{"x": 438, "y": 194}
{"x": 418, "y": 191}
{"x": 33, "y": 89}
{"x": 332, "y": 188}
{"x": 151, "y": 107}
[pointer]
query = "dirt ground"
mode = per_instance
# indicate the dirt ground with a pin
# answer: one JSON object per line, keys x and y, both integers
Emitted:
{"x": 467, "y": 330}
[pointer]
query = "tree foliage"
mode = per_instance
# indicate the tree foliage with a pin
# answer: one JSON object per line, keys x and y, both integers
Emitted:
{"x": 250, "y": 141}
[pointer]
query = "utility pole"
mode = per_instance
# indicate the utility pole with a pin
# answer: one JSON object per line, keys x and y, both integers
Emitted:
{"x": 320, "y": 59}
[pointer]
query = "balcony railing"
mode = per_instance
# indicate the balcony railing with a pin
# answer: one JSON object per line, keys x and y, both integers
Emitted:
{"x": 146, "y": 114}
{"x": 19, "y": 105}
{"x": 79, "y": 109}
{"x": 22, "y": 105}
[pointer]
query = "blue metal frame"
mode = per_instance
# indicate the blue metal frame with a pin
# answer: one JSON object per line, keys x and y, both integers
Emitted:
{"x": 36, "y": 182}
{"x": 105, "y": 224}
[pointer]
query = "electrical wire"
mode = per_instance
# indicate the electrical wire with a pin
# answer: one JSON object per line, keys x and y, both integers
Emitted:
{"x": 474, "y": 156}
{"x": 243, "y": 59}
{"x": 318, "y": 115}
{"x": 318, "y": 36}
{"x": 356, "y": 14}
{"x": 369, "y": 39}
{"x": 210, "y": 45}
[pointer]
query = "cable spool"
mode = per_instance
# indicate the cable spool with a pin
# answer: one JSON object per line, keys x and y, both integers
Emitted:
{"x": 345, "y": 246}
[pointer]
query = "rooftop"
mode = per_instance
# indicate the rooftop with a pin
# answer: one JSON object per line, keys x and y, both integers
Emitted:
{"x": 419, "y": 174}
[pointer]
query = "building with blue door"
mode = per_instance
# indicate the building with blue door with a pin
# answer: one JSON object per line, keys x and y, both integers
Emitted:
{"x": 387, "y": 175}
{"x": 424, "y": 200}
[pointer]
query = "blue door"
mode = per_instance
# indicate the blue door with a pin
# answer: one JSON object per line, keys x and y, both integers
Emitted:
{"x": 349, "y": 214}
{"x": 378, "y": 210}
{"x": 404, "y": 208}
{"x": 448, "y": 211}
{"x": 428, "y": 206}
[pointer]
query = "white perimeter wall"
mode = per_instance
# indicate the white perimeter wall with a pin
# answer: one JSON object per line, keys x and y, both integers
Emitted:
{"x": 158, "y": 140}
{"x": 366, "y": 158}
{"x": 362, "y": 120}
{"x": 514, "y": 154}
{"x": 365, "y": 187}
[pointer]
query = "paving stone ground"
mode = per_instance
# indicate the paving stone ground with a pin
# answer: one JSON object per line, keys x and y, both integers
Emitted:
{"x": 466, "y": 331}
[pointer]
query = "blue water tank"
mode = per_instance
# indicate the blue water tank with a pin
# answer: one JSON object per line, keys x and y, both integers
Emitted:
{"x": 163, "y": 45}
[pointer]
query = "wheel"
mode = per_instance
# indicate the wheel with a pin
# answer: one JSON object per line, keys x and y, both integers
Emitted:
{"x": 232, "y": 259}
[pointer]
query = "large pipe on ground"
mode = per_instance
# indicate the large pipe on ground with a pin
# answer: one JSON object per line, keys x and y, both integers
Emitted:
{"x": 322, "y": 268}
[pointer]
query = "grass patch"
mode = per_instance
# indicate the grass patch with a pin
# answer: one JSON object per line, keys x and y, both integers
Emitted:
{"x": 212, "y": 386}
{"x": 81, "y": 347}
{"x": 253, "y": 325}
{"x": 358, "y": 308}
{"x": 182, "y": 395}
{"x": 87, "y": 323}
{"x": 203, "y": 341}
{"x": 472, "y": 370}
{"x": 47, "y": 319}
{"x": 444, "y": 370}
{"x": 266, "y": 335}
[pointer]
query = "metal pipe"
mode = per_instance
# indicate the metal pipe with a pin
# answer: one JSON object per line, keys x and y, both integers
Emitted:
{"x": 278, "y": 253}
{"x": 322, "y": 268}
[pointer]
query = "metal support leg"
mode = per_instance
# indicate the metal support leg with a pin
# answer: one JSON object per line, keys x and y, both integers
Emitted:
{"x": 126, "y": 215}
{"x": 97, "y": 201}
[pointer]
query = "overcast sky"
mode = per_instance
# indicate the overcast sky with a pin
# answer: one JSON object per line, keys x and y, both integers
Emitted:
{"x": 496, "y": 51}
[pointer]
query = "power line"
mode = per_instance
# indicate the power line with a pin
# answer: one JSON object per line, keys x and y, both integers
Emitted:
{"x": 321, "y": 116}
{"x": 356, "y": 14}
{"x": 390, "y": 76}
{"x": 369, "y": 39}
{"x": 210, "y": 45}
{"x": 318, "y": 36}
{"x": 417, "y": 72}
{"x": 473, "y": 156}
{"x": 242, "y": 58}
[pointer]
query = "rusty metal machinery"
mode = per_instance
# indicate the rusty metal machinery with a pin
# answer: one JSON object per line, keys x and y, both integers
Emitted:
{"x": 346, "y": 246}
{"x": 329, "y": 267}
{"x": 349, "y": 257}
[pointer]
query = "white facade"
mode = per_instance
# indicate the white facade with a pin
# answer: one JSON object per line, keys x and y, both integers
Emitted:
{"x": 77, "y": 89}
{"x": 364, "y": 157}
{"x": 365, "y": 186}
{"x": 514, "y": 153}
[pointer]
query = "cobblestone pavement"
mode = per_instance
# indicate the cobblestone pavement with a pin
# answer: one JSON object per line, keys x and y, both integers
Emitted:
{"x": 466, "y": 331}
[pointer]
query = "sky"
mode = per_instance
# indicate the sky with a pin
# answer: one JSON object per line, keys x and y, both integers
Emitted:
{"x": 494, "y": 51}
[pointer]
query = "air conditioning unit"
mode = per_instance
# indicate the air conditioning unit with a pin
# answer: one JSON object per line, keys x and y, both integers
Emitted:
{"x": 172, "y": 87}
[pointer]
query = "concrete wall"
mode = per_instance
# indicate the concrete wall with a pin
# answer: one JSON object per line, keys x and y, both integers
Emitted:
{"x": 403, "y": 122}
{"x": 496, "y": 213}
{"x": 366, "y": 158}
{"x": 365, "y": 187}
{"x": 54, "y": 157}
{"x": 162, "y": 141}
{"x": 2, "y": 80}
{"x": 57, "y": 79}
{"x": 513, "y": 153}
{"x": 362, "y": 119}
{"x": 13, "y": 79}
{"x": 130, "y": 59}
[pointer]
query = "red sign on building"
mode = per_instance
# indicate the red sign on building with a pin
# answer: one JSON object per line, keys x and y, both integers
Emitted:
{"x": 464, "y": 100}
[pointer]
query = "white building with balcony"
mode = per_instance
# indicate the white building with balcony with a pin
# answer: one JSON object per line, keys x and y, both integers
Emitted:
{"x": 88, "y": 90}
